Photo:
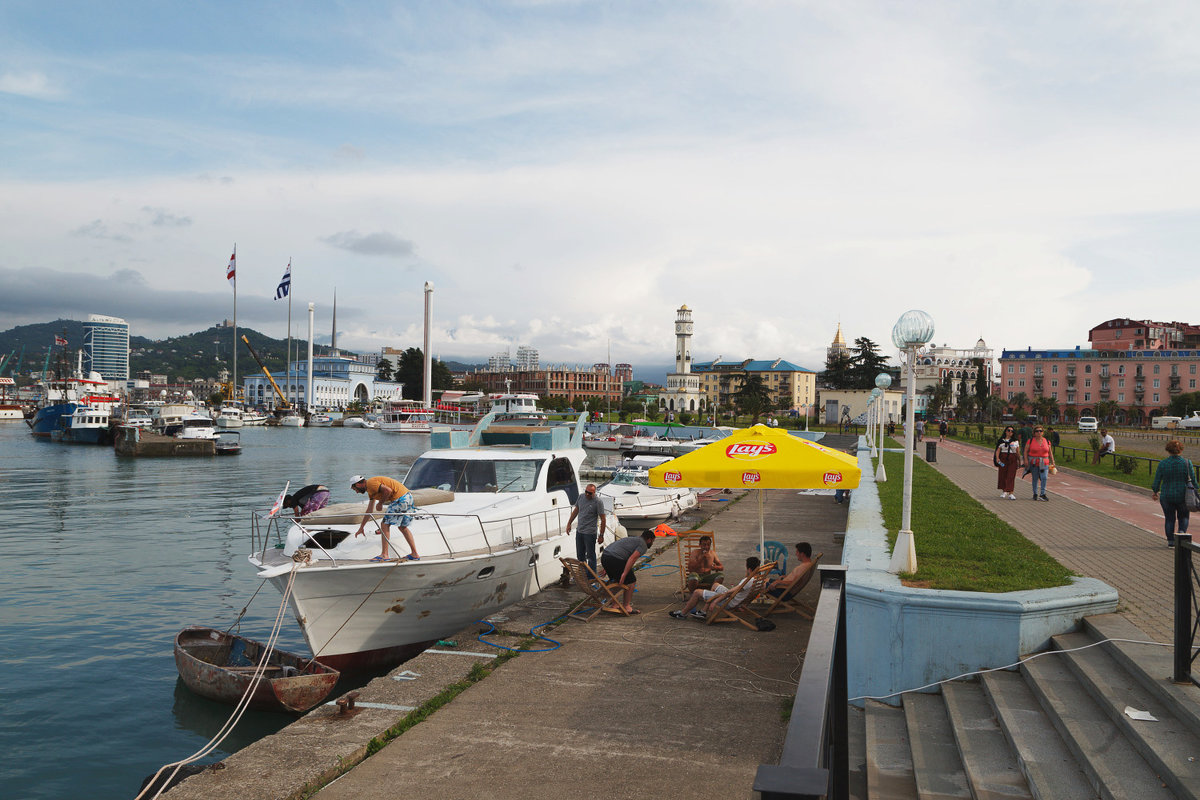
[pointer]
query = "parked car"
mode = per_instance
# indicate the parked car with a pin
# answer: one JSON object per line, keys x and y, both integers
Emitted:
{"x": 1088, "y": 424}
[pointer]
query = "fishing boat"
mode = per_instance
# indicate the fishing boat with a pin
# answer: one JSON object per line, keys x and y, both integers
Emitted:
{"x": 490, "y": 524}
{"x": 221, "y": 666}
{"x": 60, "y": 398}
{"x": 637, "y": 504}
{"x": 406, "y": 416}
{"x": 87, "y": 423}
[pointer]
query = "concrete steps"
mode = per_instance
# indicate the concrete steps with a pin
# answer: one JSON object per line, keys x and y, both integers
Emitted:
{"x": 1056, "y": 729}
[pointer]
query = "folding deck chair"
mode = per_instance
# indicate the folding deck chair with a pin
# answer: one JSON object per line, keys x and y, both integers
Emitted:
{"x": 723, "y": 608}
{"x": 789, "y": 601}
{"x": 600, "y": 596}
{"x": 685, "y": 544}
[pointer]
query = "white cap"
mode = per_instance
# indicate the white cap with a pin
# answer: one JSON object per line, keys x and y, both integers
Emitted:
{"x": 357, "y": 479}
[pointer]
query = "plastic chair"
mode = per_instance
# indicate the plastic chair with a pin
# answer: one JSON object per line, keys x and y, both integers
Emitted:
{"x": 777, "y": 552}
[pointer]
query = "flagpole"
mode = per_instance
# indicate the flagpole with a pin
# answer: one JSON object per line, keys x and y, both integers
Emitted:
{"x": 233, "y": 382}
{"x": 289, "y": 347}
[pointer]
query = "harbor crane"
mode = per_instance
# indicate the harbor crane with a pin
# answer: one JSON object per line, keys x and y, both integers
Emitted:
{"x": 283, "y": 403}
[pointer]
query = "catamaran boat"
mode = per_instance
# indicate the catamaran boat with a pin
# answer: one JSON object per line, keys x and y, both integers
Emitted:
{"x": 490, "y": 525}
{"x": 231, "y": 415}
{"x": 406, "y": 416}
{"x": 637, "y": 504}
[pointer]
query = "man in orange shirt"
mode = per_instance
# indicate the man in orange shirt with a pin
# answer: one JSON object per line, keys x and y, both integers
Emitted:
{"x": 399, "y": 501}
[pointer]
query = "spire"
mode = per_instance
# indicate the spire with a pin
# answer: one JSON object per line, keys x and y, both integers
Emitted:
{"x": 333, "y": 351}
{"x": 837, "y": 338}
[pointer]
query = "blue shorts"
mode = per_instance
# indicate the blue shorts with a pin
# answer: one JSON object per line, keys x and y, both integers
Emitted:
{"x": 397, "y": 512}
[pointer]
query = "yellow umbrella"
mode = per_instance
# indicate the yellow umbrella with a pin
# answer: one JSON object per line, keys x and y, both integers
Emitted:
{"x": 760, "y": 458}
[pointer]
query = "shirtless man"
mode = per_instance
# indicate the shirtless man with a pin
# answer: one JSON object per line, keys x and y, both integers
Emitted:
{"x": 703, "y": 566}
{"x": 779, "y": 586}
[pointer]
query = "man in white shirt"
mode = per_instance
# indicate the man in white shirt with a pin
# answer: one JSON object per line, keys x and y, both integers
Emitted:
{"x": 707, "y": 596}
{"x": 1108, "y": 445}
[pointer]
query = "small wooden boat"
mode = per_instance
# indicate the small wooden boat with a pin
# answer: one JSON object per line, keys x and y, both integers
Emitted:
{"x": 220, "y": 666}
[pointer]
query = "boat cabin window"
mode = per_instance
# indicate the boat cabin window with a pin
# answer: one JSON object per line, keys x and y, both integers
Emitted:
{"x": 474, "y": 475}
{"x": 561, "y": 478}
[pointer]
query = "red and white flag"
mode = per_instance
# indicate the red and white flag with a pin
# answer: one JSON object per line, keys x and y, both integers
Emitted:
{"x": 231, "y": 270}
{"x": 60, "y": 341}
{"x": 279, "y": 501}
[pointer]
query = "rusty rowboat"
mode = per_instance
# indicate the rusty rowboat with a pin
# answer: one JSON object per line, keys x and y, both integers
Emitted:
{"x": 220, "y": 666}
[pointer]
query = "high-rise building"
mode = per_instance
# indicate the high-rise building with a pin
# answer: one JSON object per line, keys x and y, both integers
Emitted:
{"x": 106, "y": 347}
{"x": 527, "y": 358}
{"x": 500, "y": 362}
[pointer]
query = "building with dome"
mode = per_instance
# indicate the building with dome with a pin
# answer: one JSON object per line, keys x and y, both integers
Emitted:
{"x": 935, "y": 363}
{"x": 683, "y": 388}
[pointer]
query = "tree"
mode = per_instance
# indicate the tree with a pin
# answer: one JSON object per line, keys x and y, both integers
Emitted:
{"x": 383, "y": 370}
{"x": 753, "y": 397}
{"x": 411, "y": 372}
{"x": 966, "y": 407}
{"x": 1182, "y": 405}
{"x": 983, "y": 386}
{"x": 993, "y": 407}
{"x": 1046, "y": 408}
{"x": 1018, "y": 402}
{"x": 839, "y": 371}
{"x": 867, "y": 363}
{"x": 1105, "y": 409}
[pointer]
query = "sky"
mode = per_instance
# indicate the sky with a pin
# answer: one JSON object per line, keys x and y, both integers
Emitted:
{"x": 568, "y": 174}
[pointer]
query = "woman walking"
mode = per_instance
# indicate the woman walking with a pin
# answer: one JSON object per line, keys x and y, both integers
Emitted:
{"x": 1007, "y": 458}
{"x": 1039, "y": 459}
{"x": 1171, "y": 477}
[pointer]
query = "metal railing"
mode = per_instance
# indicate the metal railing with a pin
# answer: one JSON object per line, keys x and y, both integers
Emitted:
{"x": 815, "y": 761}
{"x": 1187, "y": 608}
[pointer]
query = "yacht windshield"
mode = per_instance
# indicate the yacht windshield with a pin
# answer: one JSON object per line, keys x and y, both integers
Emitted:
{"x": 474, "y": 475}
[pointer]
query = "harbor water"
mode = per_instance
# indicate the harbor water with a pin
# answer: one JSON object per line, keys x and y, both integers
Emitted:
{"x": 105, "y": 560}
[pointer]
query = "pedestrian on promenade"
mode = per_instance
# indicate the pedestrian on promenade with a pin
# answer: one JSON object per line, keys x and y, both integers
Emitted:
{"x": 1171, "y": 477}
{"x": 943, "y": 428}
{"x": 1039, "y": 459}
{"x": 1052, "y": 435}
{"x": 589, "y": 509}
{"x": 920, "y": 426}
{"x": 1006, "y": 459}
{"x": 1025, "y": 433}
{"x": 382, "y": 490}
{"x": 618, "y": 560}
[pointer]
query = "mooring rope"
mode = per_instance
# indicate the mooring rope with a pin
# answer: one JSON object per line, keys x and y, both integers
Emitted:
{"x": 241, "y": 707}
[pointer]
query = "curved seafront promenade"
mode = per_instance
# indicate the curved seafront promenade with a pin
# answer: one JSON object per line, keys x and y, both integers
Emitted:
{"x": 649, "y": 705}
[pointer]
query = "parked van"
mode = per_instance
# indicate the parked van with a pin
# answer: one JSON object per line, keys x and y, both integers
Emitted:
{"x": 1164, "y": 422}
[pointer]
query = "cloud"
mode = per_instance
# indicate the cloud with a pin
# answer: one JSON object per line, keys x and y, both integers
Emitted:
{"x": 161, "y": 218}
{"x": 35, "y": 85}
{"x": 96, "y": 229}
{"x": 371, "y": 244}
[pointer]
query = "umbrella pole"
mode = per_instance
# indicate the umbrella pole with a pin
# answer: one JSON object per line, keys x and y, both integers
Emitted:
{"x": 761, "y": 538}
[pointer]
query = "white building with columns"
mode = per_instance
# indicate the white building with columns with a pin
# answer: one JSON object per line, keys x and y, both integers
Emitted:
{"x": 683, "y": 388}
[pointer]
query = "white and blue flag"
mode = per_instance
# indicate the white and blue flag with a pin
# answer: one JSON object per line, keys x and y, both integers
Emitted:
{"x": 285, "y": 285}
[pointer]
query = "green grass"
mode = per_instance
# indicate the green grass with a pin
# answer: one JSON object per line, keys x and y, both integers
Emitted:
{"x": 960, "y": 544}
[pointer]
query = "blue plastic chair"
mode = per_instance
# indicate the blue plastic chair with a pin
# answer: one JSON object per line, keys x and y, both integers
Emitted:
{"x": 777, "y": 552}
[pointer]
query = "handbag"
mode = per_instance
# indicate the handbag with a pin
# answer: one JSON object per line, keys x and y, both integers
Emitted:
{"x": 1191, "y": 497}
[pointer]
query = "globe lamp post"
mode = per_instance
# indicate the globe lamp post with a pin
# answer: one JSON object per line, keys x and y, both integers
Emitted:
{"x": 912, "y": 331}
{"x": 872, "y": 415}
{"x": 882, "y": 382}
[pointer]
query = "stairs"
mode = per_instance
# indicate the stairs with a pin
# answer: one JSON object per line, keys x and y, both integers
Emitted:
{"x": 1054, "y": 730}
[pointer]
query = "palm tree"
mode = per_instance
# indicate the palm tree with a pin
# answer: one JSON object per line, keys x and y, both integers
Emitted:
{"x": 1046, "y": 408}
{"x": 1105, "y": 409}
{"x": 993, "y": 407}
{"x": 1018, "y": 403}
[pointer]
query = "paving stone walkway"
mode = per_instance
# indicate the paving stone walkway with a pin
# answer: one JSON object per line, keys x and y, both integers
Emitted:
{"x": 1090, "y": 527}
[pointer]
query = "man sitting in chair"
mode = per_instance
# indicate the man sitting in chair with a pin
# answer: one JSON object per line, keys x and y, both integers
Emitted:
{"x": 780, "y": 586}
{"x": 708, "y": 595}
{"x": 704, "y": 568}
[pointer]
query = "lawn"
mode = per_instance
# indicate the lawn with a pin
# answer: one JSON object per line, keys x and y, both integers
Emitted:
{"x": 960, "y": 544}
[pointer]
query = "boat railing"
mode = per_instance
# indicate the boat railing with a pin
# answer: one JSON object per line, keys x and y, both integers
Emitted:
{"x": 519, "y": 530}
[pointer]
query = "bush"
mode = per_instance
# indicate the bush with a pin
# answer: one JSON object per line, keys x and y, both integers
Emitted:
{"x": 1126, "y": 464}
{"x": 979, "y": 427}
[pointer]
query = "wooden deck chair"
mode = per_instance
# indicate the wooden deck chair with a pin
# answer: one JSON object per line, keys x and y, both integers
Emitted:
{"x": 790, "y": 600}
{"x": 601, "y": 596}
{"x": 723, "y": 608}
{"x": 685, "y": 544}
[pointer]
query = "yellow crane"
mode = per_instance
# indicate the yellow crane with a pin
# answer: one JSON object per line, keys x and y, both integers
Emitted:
{"x": 283, "y": 403}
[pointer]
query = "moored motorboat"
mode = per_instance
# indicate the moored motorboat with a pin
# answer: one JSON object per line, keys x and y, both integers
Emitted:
{"x": 221, "y": 666}
{"x": 490, "y": 524}
{"x": 320, "y": 420}
{"x": 291, "y": 419}
{"x": 252, "y": 417}
{"x": 228, "y": 443}
{"x": 406, "y": 416}
{"x": 10, "y": 410}
{"x": 639, "y": 505}
{"x": 231, "y": 415}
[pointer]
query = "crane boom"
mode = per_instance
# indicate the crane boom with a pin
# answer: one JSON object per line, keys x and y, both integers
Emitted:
{"x": 282, "y": 400}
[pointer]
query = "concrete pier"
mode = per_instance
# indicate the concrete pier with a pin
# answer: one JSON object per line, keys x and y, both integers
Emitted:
{"x": 645, "y": 706}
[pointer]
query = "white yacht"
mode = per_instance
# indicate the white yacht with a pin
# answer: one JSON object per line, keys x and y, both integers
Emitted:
{"x": 231, "y": 415}
{"x": 406, "y": 416}
{"x": 490, "y": 525}
{"x": 639, "y": 505}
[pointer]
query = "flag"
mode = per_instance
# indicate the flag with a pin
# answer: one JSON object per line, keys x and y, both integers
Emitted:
{"x": 231, "y": 270}
{"x": 60, "y": 341}
{"x": 275, "y": 509}
{"x": 285, "y": 285}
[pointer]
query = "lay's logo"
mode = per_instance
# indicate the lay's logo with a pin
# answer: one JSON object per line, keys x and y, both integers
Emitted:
{"x": 832, "y": 478}
{"x": 751, "y": 477}
{"x": 673, "y": 477}
{"x": 750, "y": 451}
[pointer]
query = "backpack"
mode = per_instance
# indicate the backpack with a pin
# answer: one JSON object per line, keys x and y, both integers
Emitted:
{"x": 764, "y": 624}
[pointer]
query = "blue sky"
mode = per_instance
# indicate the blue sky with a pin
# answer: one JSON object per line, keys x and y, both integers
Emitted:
{"x": 569, "y": 173}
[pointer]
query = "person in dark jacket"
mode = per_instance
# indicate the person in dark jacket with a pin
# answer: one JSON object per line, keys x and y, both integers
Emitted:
{"x": 1170, "y": 488}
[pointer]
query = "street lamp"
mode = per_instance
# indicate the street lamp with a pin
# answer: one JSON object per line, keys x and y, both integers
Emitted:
{"x": 882, "y": 382}
{"x": 872, "y": 415}
{"x": 912, "y": 331}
